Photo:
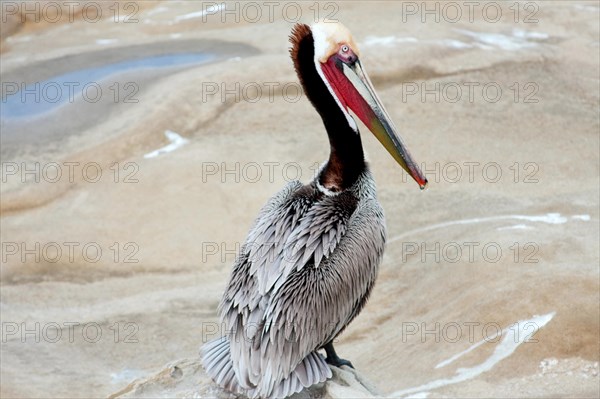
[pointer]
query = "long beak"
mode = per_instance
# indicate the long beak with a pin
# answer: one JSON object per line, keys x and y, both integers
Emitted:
{"x": 368, "y": 107}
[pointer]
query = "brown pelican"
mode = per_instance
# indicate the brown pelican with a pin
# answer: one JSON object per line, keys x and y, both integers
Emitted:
{"x": 310, "y": 261}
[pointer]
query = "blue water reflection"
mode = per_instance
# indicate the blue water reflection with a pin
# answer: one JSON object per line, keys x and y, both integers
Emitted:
{"x": 24, "y": 101}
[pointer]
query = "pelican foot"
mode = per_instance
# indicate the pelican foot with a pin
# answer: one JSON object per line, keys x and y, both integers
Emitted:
{"x": 339, "y": 362}
{"x": 334, "y": 359}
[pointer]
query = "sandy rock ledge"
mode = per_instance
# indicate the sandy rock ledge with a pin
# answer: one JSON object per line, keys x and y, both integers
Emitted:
{"x": 186, "y": 378}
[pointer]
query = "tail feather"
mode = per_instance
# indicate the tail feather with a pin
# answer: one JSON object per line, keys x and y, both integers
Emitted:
{"x": 218, "y": 365}
{"x": 217, "y": 361}
{"x": 313, "y": 369}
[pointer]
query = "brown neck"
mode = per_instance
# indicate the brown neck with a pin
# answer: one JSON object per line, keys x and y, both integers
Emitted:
{"x": 346, "y": 160}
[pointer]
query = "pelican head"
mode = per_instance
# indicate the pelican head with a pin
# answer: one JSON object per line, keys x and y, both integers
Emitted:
{"x": 337, "y": 60}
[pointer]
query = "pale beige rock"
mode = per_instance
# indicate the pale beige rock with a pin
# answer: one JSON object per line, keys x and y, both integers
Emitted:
{"x": 186, "y": 379}
{"x": 171, "y": 293}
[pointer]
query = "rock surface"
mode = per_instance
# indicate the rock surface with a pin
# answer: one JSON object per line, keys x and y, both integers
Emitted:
{"x": 186, "y": 379}
{"x": 489, "y": 284}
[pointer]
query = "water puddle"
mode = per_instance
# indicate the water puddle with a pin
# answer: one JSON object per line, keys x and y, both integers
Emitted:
{"x": 26, "y": 101}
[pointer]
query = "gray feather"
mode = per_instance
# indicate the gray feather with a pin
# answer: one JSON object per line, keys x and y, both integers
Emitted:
{"x": 304, "y": 272}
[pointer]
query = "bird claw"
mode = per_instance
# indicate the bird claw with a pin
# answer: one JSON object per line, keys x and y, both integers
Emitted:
{"x": 339, "y": 362}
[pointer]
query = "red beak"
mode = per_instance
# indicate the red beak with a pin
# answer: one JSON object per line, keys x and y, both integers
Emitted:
{"x": 353, "y": 88}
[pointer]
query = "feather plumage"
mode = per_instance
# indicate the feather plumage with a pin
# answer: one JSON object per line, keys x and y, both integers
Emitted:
{"x": 311, "y": 277}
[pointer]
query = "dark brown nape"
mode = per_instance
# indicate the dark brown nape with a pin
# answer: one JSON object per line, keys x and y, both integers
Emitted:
{"x": 300, "y": 32}
{"x": 346, "y": 160}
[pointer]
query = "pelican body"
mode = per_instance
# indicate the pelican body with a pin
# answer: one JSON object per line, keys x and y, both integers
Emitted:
{"x": 312, "y": 256}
